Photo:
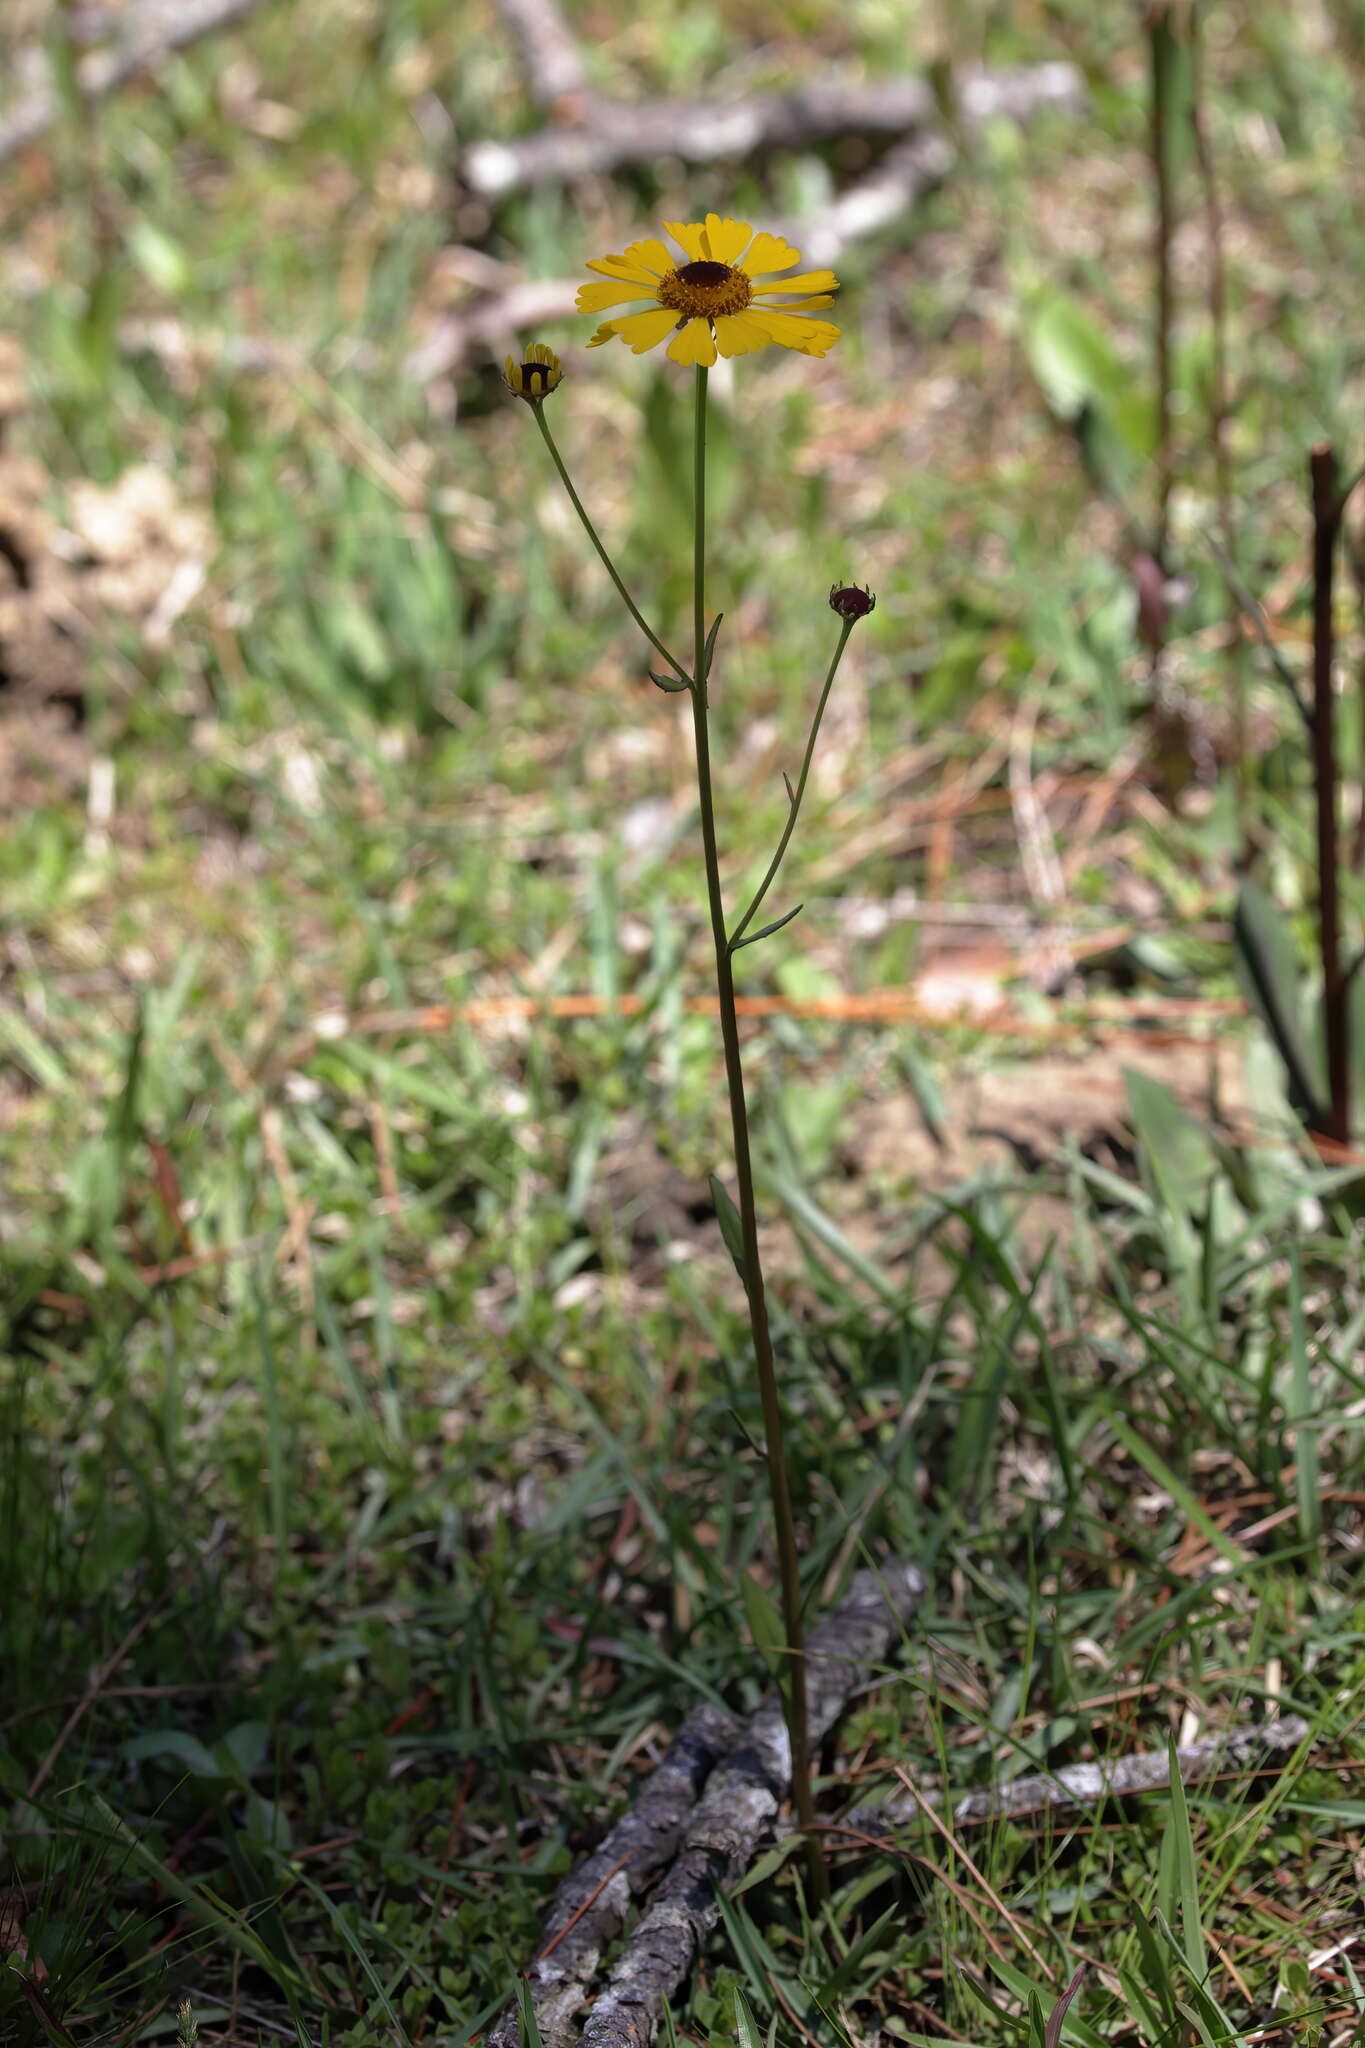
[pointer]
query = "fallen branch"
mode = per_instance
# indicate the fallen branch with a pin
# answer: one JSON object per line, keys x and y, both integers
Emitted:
{"x": 738, "y": 1807}
{"x": 612, "y": 136}
{"x": 489, "y": 324}
{"x": 1088, "y": 1784}
{"x": 141, "y": 36}
{"x": 909, "y": 170}
{"x": 591, "y": 1904}
{"x": 551, "y": 61}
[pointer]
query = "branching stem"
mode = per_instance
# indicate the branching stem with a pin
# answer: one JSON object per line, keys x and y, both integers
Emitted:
{"x": 794, "y": 1686}
{"x": 794, "y": 804}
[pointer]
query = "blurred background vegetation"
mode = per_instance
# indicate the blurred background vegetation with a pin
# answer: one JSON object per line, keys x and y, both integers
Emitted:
{"x": 377, "y": 1441}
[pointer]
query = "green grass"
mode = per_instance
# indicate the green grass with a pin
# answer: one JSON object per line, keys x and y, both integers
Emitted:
{"x": 352, "y": 1573}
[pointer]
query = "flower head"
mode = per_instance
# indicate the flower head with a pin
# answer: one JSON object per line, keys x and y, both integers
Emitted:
{"x": 714, "y": 298}
{"x": 850, "y": 601}
{"x": 535, "y": 378}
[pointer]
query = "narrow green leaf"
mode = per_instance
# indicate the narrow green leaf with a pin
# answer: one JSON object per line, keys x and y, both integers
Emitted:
{"x": 708, "y": 652}
{"x": 731, "y": 1229}
{"x": 673, "y": 684}
{"x": 1187, "y": 1874}
{"x": 766, "y": 932}
{"x": 1156, "y": 1468}
{"x": 765, "y": 1624}
{"x": 1306, "y": 1479}
{"x": 526, "y": 2012}
{"x": 746, "y": 2027}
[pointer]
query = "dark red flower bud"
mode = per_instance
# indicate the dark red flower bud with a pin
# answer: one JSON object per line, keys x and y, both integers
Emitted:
{"x": 850, "y": 602}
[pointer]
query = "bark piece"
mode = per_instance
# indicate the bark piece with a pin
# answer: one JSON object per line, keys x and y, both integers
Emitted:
{"x": 591, "y": 1904}
{"x": 739, "y": 1805}
{"x": 1088, "y": 1784}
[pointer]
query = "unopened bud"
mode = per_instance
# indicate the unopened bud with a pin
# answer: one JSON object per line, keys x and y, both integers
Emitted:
{"x": 850, "y": 601}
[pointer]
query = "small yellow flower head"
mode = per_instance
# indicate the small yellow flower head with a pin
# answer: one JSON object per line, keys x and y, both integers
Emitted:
{"x": 850, "y": 601}
{"x": 535, "y": 378}
{"x": 714, "y": 299}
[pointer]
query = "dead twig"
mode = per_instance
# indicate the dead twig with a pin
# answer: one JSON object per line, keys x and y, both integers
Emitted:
{"x": 1088, "y": 1784}
{"x": 612, "y": 136}
{"x": 590, "y": 1906}
{"x": 739, "y": 1806}
{"x": 141, "y": 36}
{"x": 551, "y": 61}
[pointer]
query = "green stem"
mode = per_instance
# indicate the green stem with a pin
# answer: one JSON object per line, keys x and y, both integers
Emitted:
{"x": 602, "y": 555}
{"x": 795, "y": 805}
{"x": 794, "y": 1691}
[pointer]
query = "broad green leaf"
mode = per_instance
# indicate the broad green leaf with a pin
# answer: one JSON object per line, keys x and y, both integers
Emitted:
{"x": 1072, "y": 357}
{"x": 1179, "y": 1153}
{"x": 175, "y": 1745}
{"x": 162, "y": 261}
{"x": 1268, "y": 968}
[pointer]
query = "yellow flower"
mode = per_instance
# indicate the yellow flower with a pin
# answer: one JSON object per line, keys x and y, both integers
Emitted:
{"x": 537, "y": 377}
{"x": 714, "y": 299}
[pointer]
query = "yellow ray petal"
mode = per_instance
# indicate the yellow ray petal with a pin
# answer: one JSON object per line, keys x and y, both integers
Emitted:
{"x": 737, "y": 334}
{"x": 796, "y": 305}
{"x": 694, "y": 344}
{"x": 621, "y": 267}
{"x": 593, "y": 298}
{"x": 604, "y": 333}
{"x": 687, "y": 234}
{"x": 809, "y": 281}
{"x": 644, "y": 330}
{"x": 725, "y": 239}
{"x": 810, "y": 337}
{"x": 651, "y": 254}
{"x": 768, "y": 253}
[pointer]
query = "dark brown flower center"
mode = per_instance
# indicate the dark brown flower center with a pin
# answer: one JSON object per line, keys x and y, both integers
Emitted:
{"x": 705, "y": 291}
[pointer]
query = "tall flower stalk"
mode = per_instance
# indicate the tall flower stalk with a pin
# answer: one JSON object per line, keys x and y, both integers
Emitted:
{"x": 717, "y": 302}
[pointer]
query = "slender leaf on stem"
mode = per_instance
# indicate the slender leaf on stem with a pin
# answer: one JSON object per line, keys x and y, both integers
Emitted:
{"x": 767, "y": 931}
{"x": 709, "y": 651}
{"x": 731, "y": 1228}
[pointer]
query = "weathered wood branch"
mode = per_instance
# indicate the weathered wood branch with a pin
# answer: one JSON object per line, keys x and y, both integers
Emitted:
{"x": 886, "y": 194}
{"x": 551, "y": 61}
{"x": 590, "y": 1906}
{"x": 738, "y": 1807}
{"x": 141, "y": 35}
{"x": 1089, "y": 1784}
{"x": 611, "y": 135}
{"x": 490, "y": 324}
